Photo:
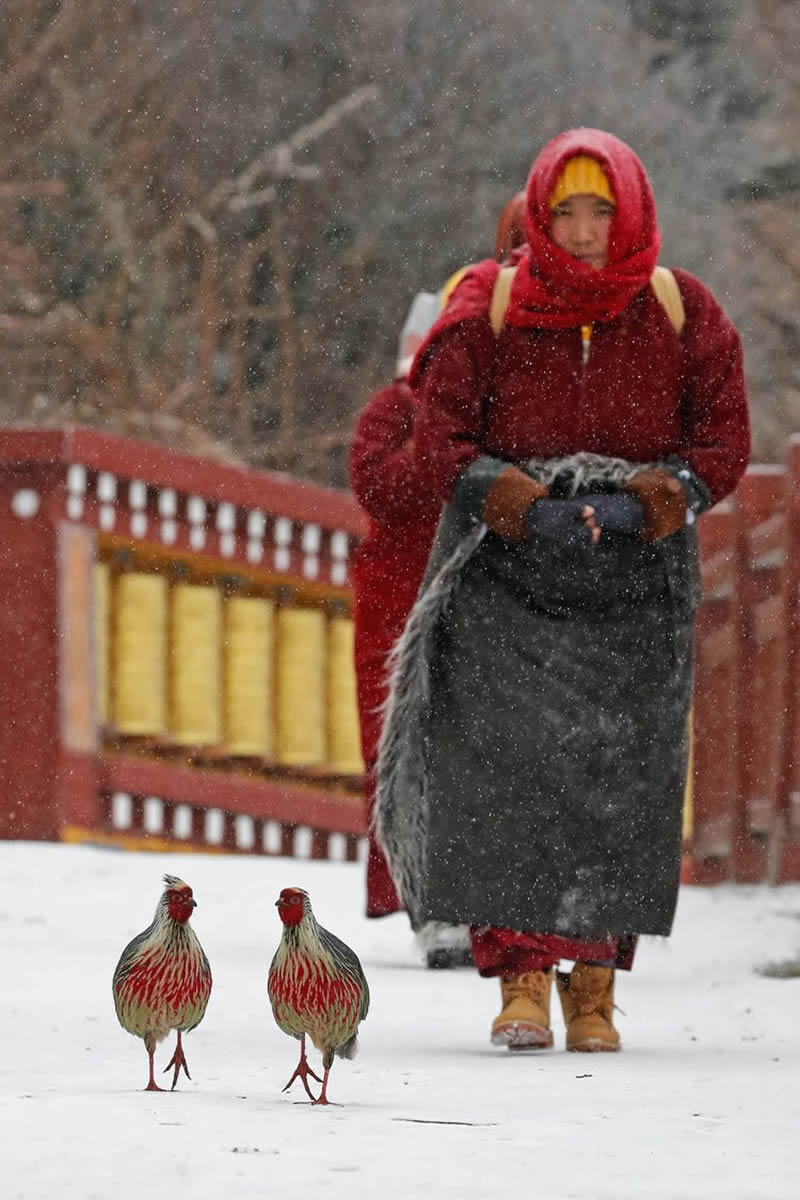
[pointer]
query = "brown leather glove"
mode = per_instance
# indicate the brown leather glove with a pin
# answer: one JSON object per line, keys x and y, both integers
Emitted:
{"x": 663, "y": 500}
{"x": 508, "y": 500}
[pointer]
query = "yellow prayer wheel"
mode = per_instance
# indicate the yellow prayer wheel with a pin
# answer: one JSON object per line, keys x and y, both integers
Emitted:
{"x": 139, "y": 654}
{"x": 344, "y": 741}
{"x": 101, "y": 600}
{"x": 300, "y": 687}
{"x": 195, "y": 663}
{"x": 248, "y": 676}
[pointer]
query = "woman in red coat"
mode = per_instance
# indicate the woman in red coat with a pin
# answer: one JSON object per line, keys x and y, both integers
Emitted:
{"x": 534, "y": 760}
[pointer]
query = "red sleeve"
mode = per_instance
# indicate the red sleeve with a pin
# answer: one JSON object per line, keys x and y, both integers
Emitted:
{"x": 384, "y": 473}
{"x": 453, "y": 386}
{"x": 716, "y": 441}
{"x": 451, "y": 377}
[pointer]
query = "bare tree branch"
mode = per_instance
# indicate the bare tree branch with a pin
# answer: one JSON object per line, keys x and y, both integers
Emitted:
{"x": 278, "y": 160}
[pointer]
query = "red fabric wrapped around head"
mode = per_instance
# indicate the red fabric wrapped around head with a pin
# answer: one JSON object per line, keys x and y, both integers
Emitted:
{"x": 551, "y": 289}
{"x": 558, "y": 290}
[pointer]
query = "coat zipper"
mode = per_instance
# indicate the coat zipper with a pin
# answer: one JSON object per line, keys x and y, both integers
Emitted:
{"x": 586, "y": 346}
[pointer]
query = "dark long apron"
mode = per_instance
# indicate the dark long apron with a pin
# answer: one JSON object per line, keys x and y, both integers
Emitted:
{"x": 556, "y": 740}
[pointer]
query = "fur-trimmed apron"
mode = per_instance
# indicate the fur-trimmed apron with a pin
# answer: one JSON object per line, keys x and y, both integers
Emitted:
{"x": 533, "y": 759}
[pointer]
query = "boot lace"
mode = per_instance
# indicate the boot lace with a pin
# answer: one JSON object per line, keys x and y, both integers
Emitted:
{"x": 534, "y": 984}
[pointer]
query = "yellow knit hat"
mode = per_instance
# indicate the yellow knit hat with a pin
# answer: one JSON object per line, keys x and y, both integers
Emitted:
{"x": 581, "y": 176}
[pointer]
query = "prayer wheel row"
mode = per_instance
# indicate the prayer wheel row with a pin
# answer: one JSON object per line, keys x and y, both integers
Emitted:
{"x": 185, "y": 663}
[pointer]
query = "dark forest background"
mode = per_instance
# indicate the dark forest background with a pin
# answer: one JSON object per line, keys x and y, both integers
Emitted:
{"x": 213, "y": 216}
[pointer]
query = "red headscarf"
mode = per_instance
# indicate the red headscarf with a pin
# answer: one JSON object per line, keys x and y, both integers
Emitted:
{"x": 553, "y": 290}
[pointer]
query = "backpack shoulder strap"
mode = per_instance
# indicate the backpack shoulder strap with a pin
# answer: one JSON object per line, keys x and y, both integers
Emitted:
{"x": 666, "y": 291}
{"x": 501, "y": 294}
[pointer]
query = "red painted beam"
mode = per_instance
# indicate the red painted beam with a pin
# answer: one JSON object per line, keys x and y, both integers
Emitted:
{"x": 284, "y": 495}
{"x": 262, "y": 798}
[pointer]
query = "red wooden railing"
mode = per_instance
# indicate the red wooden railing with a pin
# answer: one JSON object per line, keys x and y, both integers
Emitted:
{"x": 746, "y": 779}
{"x": 66, "y": 495}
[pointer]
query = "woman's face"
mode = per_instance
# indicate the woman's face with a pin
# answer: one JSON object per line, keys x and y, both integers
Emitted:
{"x": 580, "y": 225}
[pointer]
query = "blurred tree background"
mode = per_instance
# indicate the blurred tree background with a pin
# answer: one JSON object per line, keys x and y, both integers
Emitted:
{"x": 213, "y": 217}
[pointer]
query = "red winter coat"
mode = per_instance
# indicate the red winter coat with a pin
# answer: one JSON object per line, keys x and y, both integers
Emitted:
{"x": 386, "y": 573}
{"x": 643, "y": 395}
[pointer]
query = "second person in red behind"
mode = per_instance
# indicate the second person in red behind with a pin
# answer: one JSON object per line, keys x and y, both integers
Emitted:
{"x": 403, "y": 507}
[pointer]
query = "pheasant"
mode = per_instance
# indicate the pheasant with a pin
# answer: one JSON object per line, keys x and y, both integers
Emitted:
{"x": 316, "y": 987}
{"x": 163, "y": 980}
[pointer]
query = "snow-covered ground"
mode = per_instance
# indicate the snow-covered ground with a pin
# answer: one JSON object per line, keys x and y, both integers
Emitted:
{"x": 703, "y": 1102}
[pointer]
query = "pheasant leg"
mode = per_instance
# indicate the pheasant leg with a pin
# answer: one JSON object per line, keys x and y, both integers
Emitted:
{"x": 152, "y": 1086}
{"x": 323, "y": 1096}
{"x": 302, "y": 1071}
{"x": 177, "y": 1061}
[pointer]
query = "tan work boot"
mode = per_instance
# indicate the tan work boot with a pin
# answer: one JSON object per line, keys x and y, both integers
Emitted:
{"x": 587, "y": 1001}
{"x": 524, "y": 1023}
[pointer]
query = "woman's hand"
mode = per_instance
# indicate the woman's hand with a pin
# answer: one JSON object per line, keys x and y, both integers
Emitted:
{"x": 585, "y": 519}
{"x": 565, "y": 521}
{"x": 614, "y": 512}
{"x": 663, "y": 501}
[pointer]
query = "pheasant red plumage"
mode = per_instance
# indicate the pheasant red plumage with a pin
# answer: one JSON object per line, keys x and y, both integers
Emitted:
{"x": 162, "y": 980}
{"x": 317, "y": 988}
